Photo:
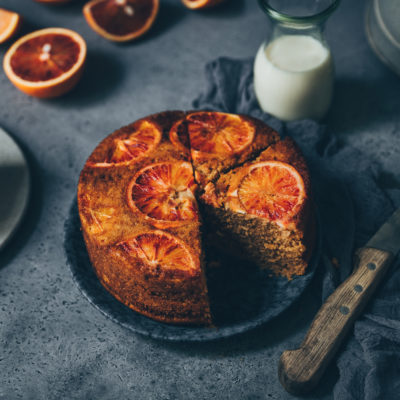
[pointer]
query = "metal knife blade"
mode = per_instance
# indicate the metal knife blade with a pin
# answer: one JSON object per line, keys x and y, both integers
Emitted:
{"x": 387, "y": 237}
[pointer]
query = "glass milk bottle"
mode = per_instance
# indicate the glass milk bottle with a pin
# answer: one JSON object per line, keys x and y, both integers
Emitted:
{"x": 293, "y": 70}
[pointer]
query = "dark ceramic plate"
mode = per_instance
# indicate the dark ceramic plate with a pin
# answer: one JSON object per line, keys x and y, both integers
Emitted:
{"x": 243, "y": 296}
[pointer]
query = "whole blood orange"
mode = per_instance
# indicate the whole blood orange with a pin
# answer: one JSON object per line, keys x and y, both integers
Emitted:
{"x": 271, "y": 190}
{"x": 160, "y": 253}
{"x": 121, "y": 20}
{"x": 216, "y": 133}
{"x": 164, "y": 193}
{"x": 143, "y": 139}
{"x": 46, "y": 63}
{"x": 9, "y": 24}
{"x": 196, "y": 4}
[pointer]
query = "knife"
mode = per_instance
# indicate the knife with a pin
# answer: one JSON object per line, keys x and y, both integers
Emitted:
{"x": 299, "y": 370}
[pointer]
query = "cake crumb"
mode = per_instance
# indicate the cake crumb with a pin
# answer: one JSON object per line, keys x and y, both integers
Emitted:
{"x": 335, "y": 262}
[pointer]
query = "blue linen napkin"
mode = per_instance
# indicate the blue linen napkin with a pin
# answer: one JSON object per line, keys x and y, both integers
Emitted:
{"x": 354, "y": 198}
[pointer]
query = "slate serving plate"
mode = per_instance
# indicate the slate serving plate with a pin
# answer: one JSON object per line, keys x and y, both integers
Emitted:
{"x": 243, "y": 296}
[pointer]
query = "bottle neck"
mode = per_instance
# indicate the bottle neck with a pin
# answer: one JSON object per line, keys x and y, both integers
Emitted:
{"x": 300, "y": 12}
{"x": 313, "y": 30}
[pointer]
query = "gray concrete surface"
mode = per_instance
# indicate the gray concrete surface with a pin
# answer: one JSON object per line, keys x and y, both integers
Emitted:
{"x": 53, "y": 343}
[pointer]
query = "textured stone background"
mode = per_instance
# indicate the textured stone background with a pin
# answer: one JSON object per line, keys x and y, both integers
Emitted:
{"x": 53, "y": 343}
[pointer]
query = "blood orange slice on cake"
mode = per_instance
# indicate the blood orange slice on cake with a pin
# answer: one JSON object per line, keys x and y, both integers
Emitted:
{"x": 9, "y": 24}
{"x": 214, "y": 133}
{"x": 178, "y": 136}
{"x": 99, "y": 215}
{"x": 143, "y": 139}
{"x": 273, "y": 190}
{"x": 217, "y": 141}
{"x": 121, "y": 20}
{"x": 164, "y": 193}
{"x": 218, "y": 133}
{"x": 46, "y": 63}
{"x": 160, "y": 253}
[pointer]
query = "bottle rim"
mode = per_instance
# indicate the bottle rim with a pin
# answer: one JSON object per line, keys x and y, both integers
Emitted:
{"x": 308, "y": 19}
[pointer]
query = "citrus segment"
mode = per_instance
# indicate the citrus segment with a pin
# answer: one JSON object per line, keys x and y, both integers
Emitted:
{"x": 164, "y": 192}
{"x": 159, "y": 251}
{"x": 271, "y": 190}
{"x": 216, "y": 133}
{"x": 99, "y": 217}
{"x": 50, "y": 56}
{"x": 178, "y": 136}
{"x": 140, "y": 143}
{"x": 121, "y": 20}
{"x": 197, "y": 4}
{"x": 9, "y": 24}
{"x": 46, "y": 63}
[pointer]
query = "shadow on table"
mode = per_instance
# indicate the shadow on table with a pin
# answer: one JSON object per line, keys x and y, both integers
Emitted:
{"x": 69, "y": 8}
{"x": 359, "y": 103}
{"x": 296, "y": 318}
{"x": 228, "y": 8}
{"x": 32, "y": 213}
{"x": 168, "y": 16}
{"x": 103, "y": 74}
{"x": 28, "y": 26}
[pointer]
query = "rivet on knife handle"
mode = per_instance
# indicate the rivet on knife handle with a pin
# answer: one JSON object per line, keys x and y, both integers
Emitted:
{"x": 300, "y": 370}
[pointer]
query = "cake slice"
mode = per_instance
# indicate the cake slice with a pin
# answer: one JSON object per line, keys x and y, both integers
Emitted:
{"x": 219, "y": 141}
{"x": 262, "y": 211}
{"x": 141, "y": 224}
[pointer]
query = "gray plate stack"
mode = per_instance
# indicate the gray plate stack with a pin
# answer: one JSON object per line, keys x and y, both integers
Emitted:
{"x": 383, "y": 31}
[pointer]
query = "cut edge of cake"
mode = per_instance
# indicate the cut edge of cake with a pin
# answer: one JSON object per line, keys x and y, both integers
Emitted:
{"x": 282, "y": 246}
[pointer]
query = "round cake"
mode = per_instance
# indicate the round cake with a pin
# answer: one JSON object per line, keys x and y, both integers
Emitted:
{"x": 154, "y": 194}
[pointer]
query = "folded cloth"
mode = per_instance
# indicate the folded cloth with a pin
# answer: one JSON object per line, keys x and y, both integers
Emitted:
{"x": 353, "y": 199}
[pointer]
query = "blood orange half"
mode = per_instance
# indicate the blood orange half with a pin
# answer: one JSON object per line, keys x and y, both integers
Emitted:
{"x": 121, "y": 20}
{"x": 272, "y": 190}
{"x": 160, "y": 253}
{"x": 9, "y": 24}
{"x": 141, "y": 142}
{"x": 164, "y": 193}
{"x": 46, "y": 63}
{"x": 215, "y": 133}
{"x": 196, "y": 4}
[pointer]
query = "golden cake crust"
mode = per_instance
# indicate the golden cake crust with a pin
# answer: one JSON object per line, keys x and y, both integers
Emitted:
{"x": 110, "y": 223}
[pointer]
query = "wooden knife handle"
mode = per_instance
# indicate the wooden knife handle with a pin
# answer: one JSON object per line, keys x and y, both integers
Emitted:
{"x": 300, "y": 370}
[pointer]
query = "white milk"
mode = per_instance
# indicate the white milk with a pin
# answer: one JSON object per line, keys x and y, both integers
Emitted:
{"x": 293, "y": 77}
